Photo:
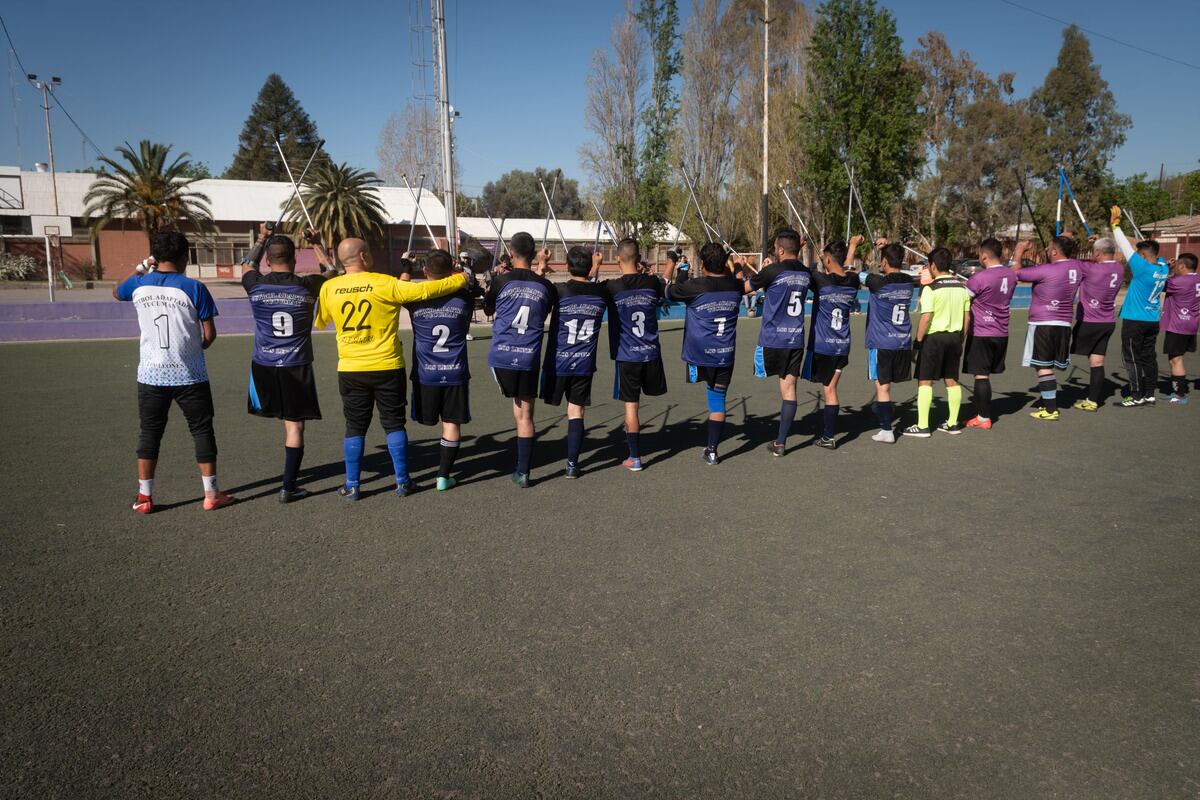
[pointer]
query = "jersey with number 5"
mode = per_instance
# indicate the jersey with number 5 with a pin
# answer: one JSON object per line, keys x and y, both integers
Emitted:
{"x": 575, "y": 328}
{"x": 710, "y": 326}
{"x": 634, "y": 324}
{"x": 835, "y": 298}
{"x": 282, "y": 304}
{"x": 889, "y": 324}
{"x": 521, "y": 300}
{"x": 440, "y": 330}
{"x": 991, "y": 293}
{"x": 785, "y": 288}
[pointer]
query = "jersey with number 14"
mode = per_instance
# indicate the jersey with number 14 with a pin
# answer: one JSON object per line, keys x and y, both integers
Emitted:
{"x": 440, "y": 328}
{"x": 521, "y": 300}
{"x": 575, "y": 328}
{"x": 835, "y": 297}
{"x": 634, "y": 324}
{"x": 785, "y": 286}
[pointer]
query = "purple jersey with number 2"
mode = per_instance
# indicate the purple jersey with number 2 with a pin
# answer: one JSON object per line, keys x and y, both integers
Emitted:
{"x": 1098, "y": 292}
{"x": 1054, "y": 288}
{"x": 1181, "y": 309}
{"x": 991, "y": 300}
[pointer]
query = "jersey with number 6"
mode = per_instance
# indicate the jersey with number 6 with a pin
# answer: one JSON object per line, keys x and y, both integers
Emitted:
{"x": 991, "y": 293}
{"x": 282, "y": 304}
{"x": 440, "y": 328}
{"x": 575, "y": 328}
{"x": 835, "y": 297}
{"x": 364, "y": 308}
{"x": 633, "y": 327}
{"x": 521, "y": 300}
{"x": 785, "y": 287}
{"x": 710, "y": 327}
{"x": 889, "y": 325}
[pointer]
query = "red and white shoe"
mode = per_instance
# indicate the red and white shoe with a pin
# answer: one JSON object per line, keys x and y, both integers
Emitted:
{"x": 980, "y": 423}
{"x": 143, "y": 504}
{"x": 218, "y": 500}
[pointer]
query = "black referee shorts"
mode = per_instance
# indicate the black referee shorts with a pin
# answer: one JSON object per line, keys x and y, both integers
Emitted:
{"x": 362, "y": 392}
{"x": 283, "y": 392}
{"x": 940, "y": 356}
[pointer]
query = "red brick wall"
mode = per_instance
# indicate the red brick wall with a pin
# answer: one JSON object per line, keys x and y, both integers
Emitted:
{"x": 120, "y": 250}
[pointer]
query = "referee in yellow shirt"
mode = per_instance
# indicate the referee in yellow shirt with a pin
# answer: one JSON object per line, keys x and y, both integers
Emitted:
{"x": 945, "y": 310}
{"x": 364, "y": 307}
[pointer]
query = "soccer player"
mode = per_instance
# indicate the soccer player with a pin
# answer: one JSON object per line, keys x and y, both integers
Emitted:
{"x": 784, "y": 283}
{"x": 991, "y": 290}
{"x": 441, "y": 380}
{"x": 710, "y": 333}
{"x": 1096, "y": 317}
{"x": 364, "y": 307}
{"x": 889, "y": 333}
{"x": 1140, "y": 314}
{"x": 633, "y": 335}
{"x": 835, "y": 294}
{"x": 175, "y": 315}
{"x": 945, "y": 308}
{"x": 1048, "y": 342}
{"x": 1181, "y": 317}
{"x": 281, "y": 374}
{"x": 571, "y": 348}
{"x": 521, "y": 299}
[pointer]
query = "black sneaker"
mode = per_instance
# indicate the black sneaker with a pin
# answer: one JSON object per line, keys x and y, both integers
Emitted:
{"x": 827, "y": 443}
{"x": 405, "y": 489}
{"x": 710, "y": 457}
{"x": 918, "y": 432}
{"x": 776, "y": 449}
{"x": 953, "y": 430}
{"x": 292, "y": 495}
{"x": 350, "y": 495}
{"x": 572, "y": 470}
{"x": 521, "y": 479}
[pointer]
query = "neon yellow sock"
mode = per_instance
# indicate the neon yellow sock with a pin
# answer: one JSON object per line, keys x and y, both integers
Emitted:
{"x": 954, "y": 395}
{"x": 924, "y": 401}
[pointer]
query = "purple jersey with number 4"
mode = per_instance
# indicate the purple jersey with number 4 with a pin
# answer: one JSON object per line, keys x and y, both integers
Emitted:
{"x": 1181, "y": 308}
{"x": 1098, "y": 292}
{"x": 991, "y": 293}
{"x": 1054, "y": 288}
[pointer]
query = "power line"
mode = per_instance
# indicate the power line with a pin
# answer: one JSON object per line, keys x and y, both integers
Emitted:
{"x": 1102, "y": 36}
{"x": 13, "y": 47}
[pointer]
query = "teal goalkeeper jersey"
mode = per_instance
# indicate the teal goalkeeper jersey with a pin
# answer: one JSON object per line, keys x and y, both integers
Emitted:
{"x": 1143, "y": 299}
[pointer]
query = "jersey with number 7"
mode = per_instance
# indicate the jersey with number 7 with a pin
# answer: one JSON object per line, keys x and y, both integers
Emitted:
{"x": 521, "y": 300}
{"x": 364, "y": 308}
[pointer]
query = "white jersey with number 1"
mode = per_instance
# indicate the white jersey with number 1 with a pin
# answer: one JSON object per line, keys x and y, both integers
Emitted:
{"x": 170, "y": 308}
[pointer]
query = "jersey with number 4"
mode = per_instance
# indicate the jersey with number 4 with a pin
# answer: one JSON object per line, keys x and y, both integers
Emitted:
{"x": 170, "y": 308}
{"x": 710, "y": 326}
{"x": 785, "y": 288}
{"x": 835, "y": 296}
{"x": 521, "y": 300}
{"x": 283, "y": 305}
{"x": 889, "y": 325}
{"x": 440, "y": 328}
{"x": 991, "y": 291}
{"x": 575, "y": 328}
{"x": 633, "y": 327}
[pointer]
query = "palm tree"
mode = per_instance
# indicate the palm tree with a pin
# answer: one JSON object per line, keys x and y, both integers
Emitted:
{"x": 149, "y": 189}
{"x": 343, "y": 202}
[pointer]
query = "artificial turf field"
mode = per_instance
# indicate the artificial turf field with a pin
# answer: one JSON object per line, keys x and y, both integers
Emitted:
{"x": 1008, "y": 614}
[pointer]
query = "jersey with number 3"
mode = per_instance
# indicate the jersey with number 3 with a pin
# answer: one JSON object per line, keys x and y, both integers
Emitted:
{"x": 835, "y": 297}
{"x": 710, "y": 326}
{"x": 991, "y": 291}
{"x": 785, "y": 287}
{"x": 170, "y": 308}
{"x": 889, "y": 325}
{"x": 440, "y": 330}
{"x": 634, "y": 324}
{"x": 282, "y": 304}
{"x": 521, "y": 300}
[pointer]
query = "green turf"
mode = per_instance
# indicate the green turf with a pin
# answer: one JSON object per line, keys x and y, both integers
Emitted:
{"x": 1010, "y": 614}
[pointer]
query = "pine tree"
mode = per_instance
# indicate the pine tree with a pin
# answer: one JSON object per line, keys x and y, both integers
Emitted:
{"x": 275, "y": 115}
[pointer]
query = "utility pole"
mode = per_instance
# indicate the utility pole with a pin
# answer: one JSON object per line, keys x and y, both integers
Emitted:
{"x": 46, "y": 88}
{"x": 447, "y": 112}
{"x": 766, "y": 189}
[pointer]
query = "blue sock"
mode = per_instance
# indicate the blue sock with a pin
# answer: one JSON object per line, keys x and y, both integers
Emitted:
{"x": 714, "y": 433}
{"x": 883, "y": 410}
{"x": 574, "y": 440}
{"x": 352, "y": 451}
{"x": 397, "y": 444}
{"x": 787, "y": 415}
{"x": 524, "y": 453}
{"x": 831, "y": 413}
{"x": 634, "y": 442}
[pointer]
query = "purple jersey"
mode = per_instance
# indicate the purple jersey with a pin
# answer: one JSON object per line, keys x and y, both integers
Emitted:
{"x": 634, "y": 325}
{"x": 785, "y": 286}
{"x": 835, "y": 297}
{"x": 889, "y": 325}
{"x": 521, "y": 300}
{"x": 710, "y": 328}
{"x": 991, "y": 293}
{"x": 1181, "y": 308}
{"x": 575, "y": 328}
{"x": 440, "y": 328}
{"x": 282, "y": 304}
{"x": 1054, "y": 288}
{"x": 1098, "y": 292}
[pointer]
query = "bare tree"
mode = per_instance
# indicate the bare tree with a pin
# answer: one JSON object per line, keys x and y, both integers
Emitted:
{"x": 410, "y": 144}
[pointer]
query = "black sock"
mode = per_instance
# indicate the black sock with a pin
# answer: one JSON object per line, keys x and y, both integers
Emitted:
{"x": 292, "y": 456}
{"x": 830, "y": 418}
{"x": 1048, "y": 386}
{"x": 983, "y": 397}
{"x": 1096, "y": 384}
{"x": 883, "y": 410}
{"x": 634, "y": 442}
{"x": 714, "y": 433}
{"x": 787, "y": 415}
{"x": 524, "y": 453}
{"x": 1180, "y": 383}
{"x": 574, "y": 440}
{"x": 447, "y": 453}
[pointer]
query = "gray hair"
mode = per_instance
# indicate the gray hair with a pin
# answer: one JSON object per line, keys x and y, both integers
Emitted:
{"x": 1105, "y": 245}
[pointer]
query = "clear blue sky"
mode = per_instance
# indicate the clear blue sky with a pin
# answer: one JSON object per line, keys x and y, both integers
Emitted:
{"x": 187, "y": 73}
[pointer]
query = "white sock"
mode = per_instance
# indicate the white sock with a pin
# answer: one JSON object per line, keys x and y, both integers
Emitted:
{"x": 145, "y": 488}
{"x": 210, "y": 482}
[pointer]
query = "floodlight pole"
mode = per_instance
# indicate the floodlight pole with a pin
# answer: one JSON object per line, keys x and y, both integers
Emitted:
{"x": 766, "y": 188}
{"x": 46, "y": 87}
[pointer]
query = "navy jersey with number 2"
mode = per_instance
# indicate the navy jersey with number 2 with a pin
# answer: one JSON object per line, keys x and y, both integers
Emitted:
{"x": 520, "y": 300}
{"x": 710, "y": 327}
{"x": 440, "y": 328}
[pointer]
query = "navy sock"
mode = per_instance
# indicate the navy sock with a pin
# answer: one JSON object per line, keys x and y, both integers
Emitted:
{"x": 524, "y": 453}
{"x": 715, "y": 428}
{"x": 983, "y": 397}
{"x": 292, "y": 456}
{"x": 574, "y": 440}
{"x": 830, "y": 418}
{"x": 352, "y": 451}
{"x": 634, "y": 442}
{"x": 397, "y": 445}
{"x": 883, "y": 410}
{"x": 787, "y": 415}
{"x": 1048, "y": 386}
{"x": 448, "y": 452}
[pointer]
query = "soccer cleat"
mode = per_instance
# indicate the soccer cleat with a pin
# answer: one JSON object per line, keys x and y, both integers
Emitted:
{"x": 710, "y": 457}
{"x": 776, "y": 449}
{"x": 446, "y": 484}
{"x": 218, "y": 500}
{"x": 143, "y": 504}
{"x": 1132, "y": 402}
{"x": 828, "y": 444}
{"x": 632, "y": 464}
{"x": 1177, "y": 399}
{"x": 1043, "y": 414}
{"x": 886, "y": 437}
{"x": 470, "y": 337}
{"x": 350, "y": 495}
{"x": 572, "y": 471}
{"x": 405, "y": 489}
{"x": 980, "y": 423}
{"x": 292, "y": 495}
{"x": 1150, "y": 401}
{"x": 953, "y": 430}
{"x": 1085, "y": 405}
{"x": 521, "y": 479}
{"x": 918, "y": 432}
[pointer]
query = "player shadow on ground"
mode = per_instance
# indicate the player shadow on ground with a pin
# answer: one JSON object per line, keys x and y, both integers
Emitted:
{"x": 376, "y": 466}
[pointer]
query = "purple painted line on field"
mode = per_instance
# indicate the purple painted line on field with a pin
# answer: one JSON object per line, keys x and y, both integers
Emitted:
{"x": 33, "y": 322}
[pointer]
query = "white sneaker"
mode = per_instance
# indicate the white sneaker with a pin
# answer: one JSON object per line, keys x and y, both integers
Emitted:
{"x": 887, "y": 437}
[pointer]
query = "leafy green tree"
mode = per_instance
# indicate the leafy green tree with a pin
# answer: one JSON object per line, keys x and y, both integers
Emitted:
{"x": 660, "y": 20}
{"x": 861, "y": 109}
{"x": 516, "y": 194}
{"x": 1141, "y": 196}
{"x": 343, "y": 202}
{"x": 275, "y": 116}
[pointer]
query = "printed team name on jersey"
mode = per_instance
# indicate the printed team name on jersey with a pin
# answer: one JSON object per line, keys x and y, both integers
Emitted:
{"x": 144, "y": 299}
{"x": 514, "y": 291}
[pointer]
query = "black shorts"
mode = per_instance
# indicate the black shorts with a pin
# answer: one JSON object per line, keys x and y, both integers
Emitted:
{"x": 985, "y": 355}
{"x": 939, "y": 357}
{"x": 196, "y": 403}
{"x": 822, "y": 368}
{"x": 783, "y": 362}
{"x": 637, "y": 378}
{"x": 712, "y": 376}
{"x": 889, "y": 366}
{"x": 577, "y": 389}
{"x": 1176, "y": 344}
{"x": 434, "y": 404}
{"x": 1047, "y": 346}
{"x": 1091, "y": 338}
{"x": 363, "y": 391}
{"x": 517, "y": 383}
{"x": 283, "y": 392}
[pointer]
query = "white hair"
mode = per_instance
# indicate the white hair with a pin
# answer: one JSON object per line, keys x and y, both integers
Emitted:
{"x": 1105, "y": 245}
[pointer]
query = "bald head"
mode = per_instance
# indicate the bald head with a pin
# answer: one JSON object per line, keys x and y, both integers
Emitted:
{"x": 354, "y": 254}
